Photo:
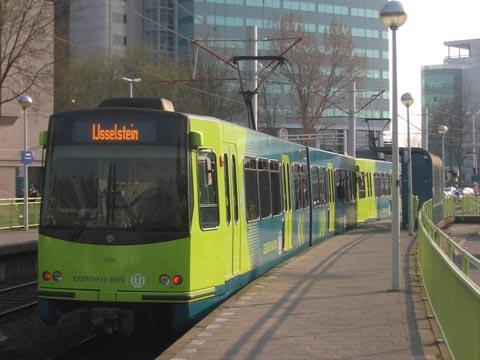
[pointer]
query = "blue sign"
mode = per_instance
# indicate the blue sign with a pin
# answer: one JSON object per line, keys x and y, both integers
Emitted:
{"x": 27, "y": 157}
{"x": 475, "y": 178}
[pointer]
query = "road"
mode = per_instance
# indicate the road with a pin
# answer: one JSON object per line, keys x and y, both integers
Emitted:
{"x": 468, "y": 237}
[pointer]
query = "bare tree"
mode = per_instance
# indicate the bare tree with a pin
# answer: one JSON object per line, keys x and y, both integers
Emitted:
{"x": 215, "y": 94}
{"x": 320, "y": 72}
{"x": 26, "y": 46}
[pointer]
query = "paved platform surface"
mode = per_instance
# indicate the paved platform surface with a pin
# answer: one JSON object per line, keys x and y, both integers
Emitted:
{"x": 13, "y": 241}
{"x": 332, "y": 301}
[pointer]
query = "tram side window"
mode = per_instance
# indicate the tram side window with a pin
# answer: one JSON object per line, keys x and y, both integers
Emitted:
{"x": 354, "y": 185}
{"x": 384, "y": 184}
{"x": 227, "y": 187}
{"x": 305, "y": 191}
{"x": 341, "y": 190}
{"x": 389, "y": 184}
{"x": 251, "y": 189}
{"x": 298, "y": 187}
{"x": 264, "y": 183}
{"x": 314, "y": 173}
{"x": 235, "y": 191}
{"x": 361, "y": 185}
{"x": 207, "y": 189}
{"x": 370, "y": 189}
{"x": 377, "y": 185}
{"x": 322, "y": 182}
{"x": 346, "y": 184}
{"x": 276, "y": 190}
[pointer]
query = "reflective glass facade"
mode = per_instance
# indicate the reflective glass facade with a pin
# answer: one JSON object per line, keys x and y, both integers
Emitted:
{"x": 227, "y": 19}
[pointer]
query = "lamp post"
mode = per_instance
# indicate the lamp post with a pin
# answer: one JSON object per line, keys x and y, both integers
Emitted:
{"x": 407, "y": 100}
{"x": 25, "y": 102}
{"x": 131, "y": 81}
{"x": 393, "y": 16}
{"x": 442, "y": 130}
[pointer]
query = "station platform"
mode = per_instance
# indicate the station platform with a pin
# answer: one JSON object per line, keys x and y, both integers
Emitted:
{"x": 14, "y": 241}
{"x": 18, "y": 254}
{"x": 333, "y": 301}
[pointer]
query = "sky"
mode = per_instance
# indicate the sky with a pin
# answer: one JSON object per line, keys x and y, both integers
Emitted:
{"x": 420, "y": 42}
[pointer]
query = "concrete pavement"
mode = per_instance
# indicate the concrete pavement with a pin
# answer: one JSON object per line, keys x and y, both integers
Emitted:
{"x": 333, "y": 301}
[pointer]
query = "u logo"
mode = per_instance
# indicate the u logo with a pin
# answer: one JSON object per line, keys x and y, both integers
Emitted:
{"x": 137, "y": 281}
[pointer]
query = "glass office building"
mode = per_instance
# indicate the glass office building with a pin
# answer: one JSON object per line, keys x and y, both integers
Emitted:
{"x": 166, "y": 26}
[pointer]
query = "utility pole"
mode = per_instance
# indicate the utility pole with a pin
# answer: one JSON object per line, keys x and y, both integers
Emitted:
{"x": 252, "y": 79}
{"x": 352, "y": 122}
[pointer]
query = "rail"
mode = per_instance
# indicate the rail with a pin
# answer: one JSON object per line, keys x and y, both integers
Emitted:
{"x": 11, "y": 212}
{"x": 445, "y": 268}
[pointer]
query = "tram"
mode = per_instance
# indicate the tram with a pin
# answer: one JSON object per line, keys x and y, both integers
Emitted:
{"x": 153, "y": 214}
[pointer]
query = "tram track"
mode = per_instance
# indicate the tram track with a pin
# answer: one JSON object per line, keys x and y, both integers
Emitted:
{"x": 73, "y": 348}
{"x": 11, "y": 296}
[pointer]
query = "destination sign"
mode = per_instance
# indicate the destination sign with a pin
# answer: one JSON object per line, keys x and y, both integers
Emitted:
{"x": 118, "y": 128}
{"x": 115, "y": 133}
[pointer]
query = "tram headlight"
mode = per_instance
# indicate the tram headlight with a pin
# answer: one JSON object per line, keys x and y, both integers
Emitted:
{"x": 46, "y": 276}
{"x": 164, "y": 279}
{"x": 177, "y": 279}
{"x": 57, "y": 276}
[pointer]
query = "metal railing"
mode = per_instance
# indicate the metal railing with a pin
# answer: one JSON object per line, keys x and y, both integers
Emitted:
{"x": 11, "y": 212}
{"x": 446, "y": 268}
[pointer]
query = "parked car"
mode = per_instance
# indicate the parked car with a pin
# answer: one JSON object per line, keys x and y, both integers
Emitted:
{"x": 467, "y": 191}
{"x": 450, "y": 191}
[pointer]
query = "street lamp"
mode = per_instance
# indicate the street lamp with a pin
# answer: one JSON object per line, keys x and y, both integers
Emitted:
{"x": 407, "y": 100}
{"x": 25, "y": 102}
{"x": 442, "y": 130}
{"x": 393, "y": 16}
{"x": 131, "y": 81}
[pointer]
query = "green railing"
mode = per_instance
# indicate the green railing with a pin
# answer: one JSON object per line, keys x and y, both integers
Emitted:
{"x": 11, "y": 212}
{"x": 453, "y": 295}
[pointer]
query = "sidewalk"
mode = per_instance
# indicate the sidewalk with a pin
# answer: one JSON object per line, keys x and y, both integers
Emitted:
{"x": 331, "y": 302}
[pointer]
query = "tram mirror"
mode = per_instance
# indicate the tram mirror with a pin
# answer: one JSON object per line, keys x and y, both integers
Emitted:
{"x": 42, "y": 138}
{"x": 196, "y": 139}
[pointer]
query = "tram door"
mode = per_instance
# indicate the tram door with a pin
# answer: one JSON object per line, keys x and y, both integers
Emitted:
{"x": 232, "y": 240}
{"x": 287, "y": 226}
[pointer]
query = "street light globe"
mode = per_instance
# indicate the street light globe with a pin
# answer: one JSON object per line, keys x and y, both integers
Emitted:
{"x": 25, "y": 101}
{"x": 392, "y": 14}
{"x": 407, "y": 99}
{"x": 442, "y": 130}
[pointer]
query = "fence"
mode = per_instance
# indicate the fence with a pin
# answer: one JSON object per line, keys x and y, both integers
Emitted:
{"x": 11, "y": 212}
{"x": 445, "y": 267}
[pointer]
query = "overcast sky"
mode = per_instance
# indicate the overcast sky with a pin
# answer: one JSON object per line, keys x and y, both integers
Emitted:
{"x": 420, "y": 42}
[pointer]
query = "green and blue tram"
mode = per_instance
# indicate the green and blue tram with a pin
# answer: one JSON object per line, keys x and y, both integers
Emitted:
{"x": 155, "y": 214}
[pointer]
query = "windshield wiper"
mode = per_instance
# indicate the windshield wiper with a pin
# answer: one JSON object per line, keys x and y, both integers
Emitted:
{"x": 78, "y": 231}
{"x": 136, "y": 221}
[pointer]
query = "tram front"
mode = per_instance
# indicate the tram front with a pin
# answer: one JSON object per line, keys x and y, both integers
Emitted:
{"x": 114, "y": 222}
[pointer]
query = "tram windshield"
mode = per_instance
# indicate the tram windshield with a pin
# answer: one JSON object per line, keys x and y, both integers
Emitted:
{"x": 97, "y": 179}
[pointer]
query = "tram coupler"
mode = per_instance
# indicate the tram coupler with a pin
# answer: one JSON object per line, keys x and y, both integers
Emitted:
{"x": 113, "y": 321}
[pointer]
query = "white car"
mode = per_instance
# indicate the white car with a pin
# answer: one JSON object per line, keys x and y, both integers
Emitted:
{"x": 450, "y": 191}
{"x": 467, "y": 191}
